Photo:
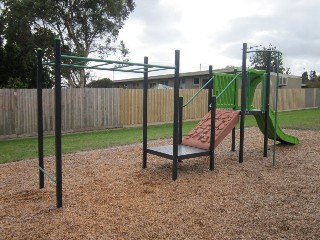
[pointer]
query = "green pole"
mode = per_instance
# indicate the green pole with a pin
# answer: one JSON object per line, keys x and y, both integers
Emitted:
{"x": 276, "y": 113}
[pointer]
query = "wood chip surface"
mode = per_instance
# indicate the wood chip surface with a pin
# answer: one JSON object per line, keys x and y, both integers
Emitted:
{"x": 107, "y": 194}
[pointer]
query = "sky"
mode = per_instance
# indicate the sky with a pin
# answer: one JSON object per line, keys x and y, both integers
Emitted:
{"x": 210, "y": 32}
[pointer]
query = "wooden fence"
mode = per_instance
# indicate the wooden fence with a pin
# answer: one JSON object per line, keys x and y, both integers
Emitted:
{"x": 82, "y": 109}
{"x": 90, "y": 109}
{"x": 160, "y": 105}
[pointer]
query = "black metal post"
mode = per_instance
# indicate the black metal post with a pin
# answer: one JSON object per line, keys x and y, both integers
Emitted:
{"x": 40, "y": 115}
{"x": 58, "y": 122}
{"x": 233, "y": 139}
{"x": 145, "y": 113}
{"x": 180, "y": 118}
{"x": 213, "y": 132}
{"x": 243, "y": 100}
{"x": 266, "y": 113}
{"x": 175, "y": 116}
{"x": 210, "y": 87}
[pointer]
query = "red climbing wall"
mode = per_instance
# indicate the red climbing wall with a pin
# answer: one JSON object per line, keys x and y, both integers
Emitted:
{"x": 200, "y": 136}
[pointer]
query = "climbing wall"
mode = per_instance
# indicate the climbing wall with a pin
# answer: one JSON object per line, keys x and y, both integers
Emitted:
{"x": 199, "y": 137}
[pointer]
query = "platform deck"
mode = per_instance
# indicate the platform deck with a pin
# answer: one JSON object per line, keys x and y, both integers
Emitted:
{"x": 184, "y": 152}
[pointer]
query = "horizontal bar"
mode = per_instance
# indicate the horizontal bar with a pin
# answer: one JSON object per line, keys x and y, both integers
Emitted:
{"x": 118, "y": 62}
{"x": 47, "y": 174}
{"x": 99, "y": 65}
{"x": 118, "y": 69}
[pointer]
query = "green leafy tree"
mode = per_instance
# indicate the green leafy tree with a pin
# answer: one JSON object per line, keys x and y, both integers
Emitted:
{"x": 17, "y": 51}
{"x": 101, "y": 83}
{"x": 259, "y": 60}
{"x": 314, "y": 79}
{"x": 305, "y": 77}
{"x": 84, "y": 26}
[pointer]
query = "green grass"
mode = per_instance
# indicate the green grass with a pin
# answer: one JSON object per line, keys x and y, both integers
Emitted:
{"x": 20, "y": 149}
{"x": 300, "y": 119}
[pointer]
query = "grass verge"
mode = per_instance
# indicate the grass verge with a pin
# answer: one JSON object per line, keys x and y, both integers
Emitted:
{"x": 20, "y": 149}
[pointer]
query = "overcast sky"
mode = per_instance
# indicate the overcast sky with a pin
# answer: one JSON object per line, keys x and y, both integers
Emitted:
{"x": 210, "y": 32}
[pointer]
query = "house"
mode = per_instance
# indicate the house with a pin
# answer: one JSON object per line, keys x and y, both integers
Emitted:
{"x": 194, "y": 80}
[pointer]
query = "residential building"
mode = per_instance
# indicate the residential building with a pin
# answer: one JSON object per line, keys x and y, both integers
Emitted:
{"x": 194, "y": 80}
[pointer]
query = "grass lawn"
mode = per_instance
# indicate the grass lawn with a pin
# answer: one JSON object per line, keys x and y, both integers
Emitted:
{"x": 19, "y": 149}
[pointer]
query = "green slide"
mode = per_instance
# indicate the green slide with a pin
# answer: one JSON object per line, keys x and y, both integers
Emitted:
{"x": 228, "y": 98}
{"x": 256, "y": 77}
{"x": 280, "y": 135}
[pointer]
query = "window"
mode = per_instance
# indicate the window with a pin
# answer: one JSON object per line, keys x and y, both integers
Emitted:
{"x": 135, "y": 85}
{"x": 196, "y": 81}
{"x": 283, "y": 81}
{"x": 165, "y": 82}
{"x": 151, "y": 85}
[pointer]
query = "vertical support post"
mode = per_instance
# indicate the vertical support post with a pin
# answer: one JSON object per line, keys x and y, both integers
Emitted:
{"x": 213, "y": 131}
{"x": 243, "y": 100}
{"x": 57, "y": 89}
{"x": 233, "y": 140}
{"x": 210, "y": 87}
{"x": 145, "y": 113}
{"x": 40, "y": 115}
{"x": 276, "y": 113}
{"x": 180, "y": 118}
{"x": 175, "y": 116}
{"x": 266, "y": 113}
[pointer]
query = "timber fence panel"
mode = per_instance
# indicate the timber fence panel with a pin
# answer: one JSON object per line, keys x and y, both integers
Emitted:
{"x": 26, "y": 112}
{"x": 317, "y": 97}
{"x": 199, "y": 105}
{"x": 7, "y": 114}
{"x": 81, "y": 109}
{"x": 290, "y": 99}
{"x": 160, "y": 105}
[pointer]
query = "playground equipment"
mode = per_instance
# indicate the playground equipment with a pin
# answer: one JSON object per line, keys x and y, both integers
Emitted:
{"x": 75, "y": 62}
{"x": 219, "y": 123}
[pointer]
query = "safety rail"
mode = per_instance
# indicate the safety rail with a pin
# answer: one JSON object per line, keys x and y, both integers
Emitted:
{"x": 197, "y": 93}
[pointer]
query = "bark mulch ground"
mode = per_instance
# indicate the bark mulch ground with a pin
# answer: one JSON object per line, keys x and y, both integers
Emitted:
{"x": 107, "y": 195}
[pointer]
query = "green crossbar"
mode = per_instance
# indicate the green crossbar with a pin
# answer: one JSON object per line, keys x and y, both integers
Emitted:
{"x": 48, "y": 175}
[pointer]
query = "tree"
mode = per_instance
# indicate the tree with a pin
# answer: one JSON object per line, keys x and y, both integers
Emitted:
{"x": 313, "y": 75}
{"x": 259, "y": 60}
{"x": 304, "y": 77}
{"x": 84, "y": 26}
{"x": 101, "y": 83}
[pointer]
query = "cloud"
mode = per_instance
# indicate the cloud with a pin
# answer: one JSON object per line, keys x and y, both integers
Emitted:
{"x": 212, "y": 32}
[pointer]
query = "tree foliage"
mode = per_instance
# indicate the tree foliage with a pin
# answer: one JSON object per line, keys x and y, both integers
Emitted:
{"x": 305, "y": 77}
{"x": 313, "y": 75}
{"x": 259, "y": 60}
{"x": 84, "y": 27}
{"x": 314, "y": 80}
{"x": 101, "y": 83}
